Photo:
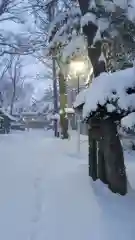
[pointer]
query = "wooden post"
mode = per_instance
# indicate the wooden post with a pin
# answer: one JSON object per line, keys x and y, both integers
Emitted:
{"x": 92, "y": 165}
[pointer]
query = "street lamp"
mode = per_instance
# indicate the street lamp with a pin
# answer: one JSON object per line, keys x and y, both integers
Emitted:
{"x": 78, "y": 69}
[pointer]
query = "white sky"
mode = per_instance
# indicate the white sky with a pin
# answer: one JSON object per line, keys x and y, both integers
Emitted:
{"x": 32, "y": 66}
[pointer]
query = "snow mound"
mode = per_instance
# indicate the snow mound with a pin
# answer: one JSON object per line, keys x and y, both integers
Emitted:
{"x": 109, "y": 90}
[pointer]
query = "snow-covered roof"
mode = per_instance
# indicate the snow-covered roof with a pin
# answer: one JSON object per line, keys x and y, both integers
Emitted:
{"x": 107, "y": 90}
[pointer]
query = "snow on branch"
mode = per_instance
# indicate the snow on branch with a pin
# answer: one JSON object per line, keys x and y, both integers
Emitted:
{"x": 61, "y": 29}
{"x": 12, "y": 10}
{"x": 56, "y": 23}
{"x": 22, "y": 44}
{"x": 76, "y": 47}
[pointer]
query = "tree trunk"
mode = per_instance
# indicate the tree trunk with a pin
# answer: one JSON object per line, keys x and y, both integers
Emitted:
{"x": 63, "y": 106}
{"x": 12, "y": 103}
{"x": 114, "y": 159}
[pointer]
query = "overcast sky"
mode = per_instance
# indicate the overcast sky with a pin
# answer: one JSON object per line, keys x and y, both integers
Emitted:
{"x": 32, "y": 67}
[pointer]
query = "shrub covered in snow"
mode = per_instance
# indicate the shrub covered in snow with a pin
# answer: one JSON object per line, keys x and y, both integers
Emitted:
{"x": 110, "y": 94}
{"x": 128, "y": 122}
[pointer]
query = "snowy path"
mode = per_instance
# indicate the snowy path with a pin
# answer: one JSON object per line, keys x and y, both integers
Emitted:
{"x": 47, "y": 195}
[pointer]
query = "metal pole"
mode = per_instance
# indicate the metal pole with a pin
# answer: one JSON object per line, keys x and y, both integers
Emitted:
{"x": 78, "y": 120}
{"x": 55, "y": 97}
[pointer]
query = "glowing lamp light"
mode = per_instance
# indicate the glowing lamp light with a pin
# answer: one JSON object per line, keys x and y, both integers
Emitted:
{"x": 77, "y": 67}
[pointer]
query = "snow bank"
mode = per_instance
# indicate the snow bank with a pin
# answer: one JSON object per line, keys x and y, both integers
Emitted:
{"x": 50, "y": 196}
{"x": 109, "y": 89}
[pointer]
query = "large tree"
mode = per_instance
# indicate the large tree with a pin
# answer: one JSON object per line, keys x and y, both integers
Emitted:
{"x": 111, "y": 169}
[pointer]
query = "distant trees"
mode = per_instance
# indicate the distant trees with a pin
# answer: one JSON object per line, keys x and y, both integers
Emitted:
{"x": 15, "y": 76}
{"x": 13, "y": 46}
{"x": 15, "y": 91}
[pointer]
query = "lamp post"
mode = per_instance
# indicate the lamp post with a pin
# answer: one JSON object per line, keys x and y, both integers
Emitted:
{"x": 78, "y": 118}
{"x": 77, "y": 69}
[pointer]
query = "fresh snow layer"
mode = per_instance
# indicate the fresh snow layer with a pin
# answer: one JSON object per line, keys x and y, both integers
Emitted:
{"x": 46, "y": 192}
{"x": 80, "y": 98}
{"x": 108, "y": 87}
{"x": 128, "y": 121}
{"x": 6, "y": 113}
{"x": 88, "y": 17}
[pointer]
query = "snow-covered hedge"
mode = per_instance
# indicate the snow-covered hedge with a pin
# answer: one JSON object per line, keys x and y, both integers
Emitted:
{"x": 109, "y": 91}
{"x": 128, "y": 122}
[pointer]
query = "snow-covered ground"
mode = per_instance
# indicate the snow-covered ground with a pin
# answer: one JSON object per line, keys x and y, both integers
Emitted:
{"x": 46, "y": 194}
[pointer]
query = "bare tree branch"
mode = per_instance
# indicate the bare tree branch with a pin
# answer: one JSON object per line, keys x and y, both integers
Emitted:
{"x": 14, "y": 73}
{"x": 3, "y": 6}
{"x": 2, "y": 74}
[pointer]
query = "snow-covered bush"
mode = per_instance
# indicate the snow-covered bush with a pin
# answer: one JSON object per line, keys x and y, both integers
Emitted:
{"x": 128, "y": 123}
{"x": 127, "y": 131}
{"x": 109, "y": 95}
